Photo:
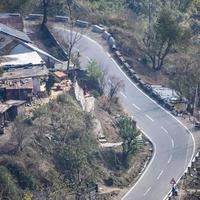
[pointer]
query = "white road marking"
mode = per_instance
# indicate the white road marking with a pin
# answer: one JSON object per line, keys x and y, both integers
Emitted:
{"x": 89, "y": 59}
{"x": 172, "y": 143}
{"x": 160, "y": 175}
{"x": 136, "y": 106}
{"x": 123, "y": 95}
{"x": 113, "y": 59}
{"x": 169, "y": 160}
{"x": 164, "y": 130}
{"x": 108, "y": 54}
{"x": 147, "y": 191}
{"x": 194, "y": 146}
{"x": 149, "y": 117}
{"x": 147, "y": 168}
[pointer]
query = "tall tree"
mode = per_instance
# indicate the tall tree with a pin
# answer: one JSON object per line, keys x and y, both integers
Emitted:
{"x": 73, "y": 37}
{"x": 129, "y": 133}
{"x": 115, "y": 86}
{"x": 97, "y": 76}
{"x": 185, "y": 77}
{"x": 163, "y": 37}
{"x": 45, "y": 4}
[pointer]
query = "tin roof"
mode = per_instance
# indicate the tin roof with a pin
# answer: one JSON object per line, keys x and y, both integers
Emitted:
{"x": 15, "y": 102}
{"x": 21, "y": 59}
{"x": 25, "y": 73}
{"x": 41, "y": 52}
{"x": 14, "y": 33}
{"x": 4, "y": 107}
{"x": 19, "y": 84}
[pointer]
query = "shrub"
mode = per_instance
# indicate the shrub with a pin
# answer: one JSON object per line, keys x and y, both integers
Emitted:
{"x": 109, "y": 181}
{"x": 95, "y": 93}
{"x": 8, "y": 187}
{"x": 27, "y": 196}
{"x": 23, "y": 178}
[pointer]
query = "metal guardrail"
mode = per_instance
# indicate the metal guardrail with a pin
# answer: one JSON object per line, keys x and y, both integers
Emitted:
{"x": 112, "y": 43}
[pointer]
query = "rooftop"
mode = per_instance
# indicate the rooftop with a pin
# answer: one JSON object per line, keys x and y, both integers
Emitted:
{"x": 15, "y": 102}
{"x": 14, "y": 33}
{"x": 41, "y": 52}
{"x": 4, "y": 108}
{"x": 18, "y": 84}
{"x": 13, "y": 20}
{"x": 165, "y": 93}
{"x": 36, "y": 71}
{"x": 21, "y": 59}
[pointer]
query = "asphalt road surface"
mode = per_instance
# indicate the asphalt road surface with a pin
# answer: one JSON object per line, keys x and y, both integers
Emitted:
{"x": 173, "y": 144}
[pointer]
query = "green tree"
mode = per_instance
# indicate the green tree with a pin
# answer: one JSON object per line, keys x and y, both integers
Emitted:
{"x": 94, "y": 71}
{"x": 97, "y": 76}
{"x": 129, "y": 133}
{"x": 21, "y": 6}
{"x": 165, "y": 35}
{"x": 185, "y": 77}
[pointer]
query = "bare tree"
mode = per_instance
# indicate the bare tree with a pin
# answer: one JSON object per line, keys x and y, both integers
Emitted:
{"x": 20, "y": 133}
{"x": 73, "y": 37}
{"x": 115, "y": 86}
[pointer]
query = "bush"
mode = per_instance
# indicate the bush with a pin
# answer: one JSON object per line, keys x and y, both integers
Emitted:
{"x": 22, "y": 177}
{"x": 50, "y": 82}
{"x": 95, "y": 93}
{"x": 28, "y": 196}
{"x": 109, "y": 181}
{"x": 1, "y": 72}
{"x": 8, "y": 187}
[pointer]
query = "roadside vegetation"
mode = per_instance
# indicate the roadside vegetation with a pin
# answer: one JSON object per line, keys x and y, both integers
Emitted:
{"x": 54, "y": 153}
{"x": 153, "y": 35}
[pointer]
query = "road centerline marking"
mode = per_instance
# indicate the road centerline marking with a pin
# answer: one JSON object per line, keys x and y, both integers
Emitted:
{"x": 123, "y": 95}
{"x": 165, "y": 130}
{"x": 172, "y": 143}
{"x": 158, "y": 177}
{"x": 170, "y": 159}
{"x": 147, "y": 97}
{"x": 89, "y": 59}
{"x": 138, "y": 108}
{"x": 149, "y": 117}
{"x": 147, "y": 191}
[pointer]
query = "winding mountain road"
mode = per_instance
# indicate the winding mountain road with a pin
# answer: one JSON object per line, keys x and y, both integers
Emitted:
{"x": 173, "y": 143}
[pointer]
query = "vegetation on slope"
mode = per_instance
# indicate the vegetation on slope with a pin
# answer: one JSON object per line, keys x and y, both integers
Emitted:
{"x": 54, "y": 154}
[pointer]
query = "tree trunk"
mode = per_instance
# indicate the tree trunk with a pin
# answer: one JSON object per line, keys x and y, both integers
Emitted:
{"x": 45, "y": 12}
